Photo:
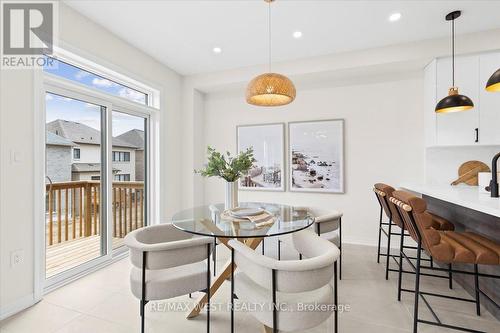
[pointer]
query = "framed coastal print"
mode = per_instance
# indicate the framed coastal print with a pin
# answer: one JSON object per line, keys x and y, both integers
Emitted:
{"x": 267, "y": 141}
{"x": 316, "y": 156}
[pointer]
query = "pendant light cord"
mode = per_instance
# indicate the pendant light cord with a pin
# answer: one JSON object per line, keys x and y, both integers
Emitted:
{"x": 453, "y": 51}
{"x": 269, "y": 32}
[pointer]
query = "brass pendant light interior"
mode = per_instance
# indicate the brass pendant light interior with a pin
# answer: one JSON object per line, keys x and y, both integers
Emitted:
{"x": 493, "y": 84}
{"x": 454, "y": 102}
{"x": 270, "y": 89}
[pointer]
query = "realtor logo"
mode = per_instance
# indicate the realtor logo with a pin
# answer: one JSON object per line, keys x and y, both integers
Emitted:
{"x": 27, "y": 28}
{"x": 27, "y": 32}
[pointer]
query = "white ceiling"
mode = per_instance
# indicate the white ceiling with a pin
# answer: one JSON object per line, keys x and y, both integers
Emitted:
{"x": 181, "y": 34}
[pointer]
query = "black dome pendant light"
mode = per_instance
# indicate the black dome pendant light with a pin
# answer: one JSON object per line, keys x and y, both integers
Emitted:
{"x": 454, "y": 102}
{"x": 493, "y": 84}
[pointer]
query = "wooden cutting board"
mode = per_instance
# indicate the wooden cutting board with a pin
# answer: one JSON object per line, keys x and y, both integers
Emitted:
{"x": 467, "y": 172}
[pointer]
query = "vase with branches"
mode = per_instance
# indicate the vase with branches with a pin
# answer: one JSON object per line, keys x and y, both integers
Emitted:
{"x": 230, "y": 168}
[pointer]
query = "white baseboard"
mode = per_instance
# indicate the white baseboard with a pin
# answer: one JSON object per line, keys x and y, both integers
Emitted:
{"x": 19, "y": 305}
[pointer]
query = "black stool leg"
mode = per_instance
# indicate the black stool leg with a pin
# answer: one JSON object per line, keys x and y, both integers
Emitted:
{"x": 214, "y": 256}
{"x": 335, "y": 297}
{"x": 388, "y": 250}
{"x": 143, "y": 292}
{"x": 450, "y": 277}
{"x": 275, "y": 305}
{"x": 400, "y": 272}
{"x": 340, "y": 248}
{"x": 208, "y": 287}
{"x": 476, "y": 282}
{"x": 417, "y": 289}
{"x": 232, "y": 290}
{"x": 379, "y": 235}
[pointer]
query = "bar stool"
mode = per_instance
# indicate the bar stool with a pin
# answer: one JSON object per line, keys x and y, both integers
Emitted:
{"x": 445, "y": 247}
{"x": 383, "y": 192}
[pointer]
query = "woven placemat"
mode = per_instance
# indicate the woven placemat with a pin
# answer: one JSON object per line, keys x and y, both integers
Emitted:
{"x": 263, "y": 219}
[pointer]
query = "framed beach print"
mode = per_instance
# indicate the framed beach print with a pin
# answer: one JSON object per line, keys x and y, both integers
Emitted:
{"x": 267, "y": 141}
{"x": 316, "y": 156}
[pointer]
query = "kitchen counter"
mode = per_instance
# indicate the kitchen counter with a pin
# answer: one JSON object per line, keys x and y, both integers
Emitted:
{"x": 460, "y": 195}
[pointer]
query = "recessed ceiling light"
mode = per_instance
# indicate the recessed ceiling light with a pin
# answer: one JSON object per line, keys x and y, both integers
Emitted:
{"x": 217, "y": 50}
{"x": 395, "y": 17}
{"x": 297, "y": 34}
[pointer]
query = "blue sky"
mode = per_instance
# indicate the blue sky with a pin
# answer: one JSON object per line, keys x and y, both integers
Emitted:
{"x": 60, "y": 107}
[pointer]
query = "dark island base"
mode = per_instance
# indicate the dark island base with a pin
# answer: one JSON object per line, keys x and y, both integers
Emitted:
{"x": 466, "y": 219}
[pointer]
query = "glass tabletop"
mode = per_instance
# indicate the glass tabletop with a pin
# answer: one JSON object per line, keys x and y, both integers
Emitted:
{"x": 268, "y": 220}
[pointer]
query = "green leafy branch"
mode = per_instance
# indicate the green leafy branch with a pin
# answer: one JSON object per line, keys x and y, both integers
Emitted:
{"x": 226, "y": 166}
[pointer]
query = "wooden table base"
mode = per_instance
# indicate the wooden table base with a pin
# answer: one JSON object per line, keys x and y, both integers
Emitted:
{"x": 221, "y": 277}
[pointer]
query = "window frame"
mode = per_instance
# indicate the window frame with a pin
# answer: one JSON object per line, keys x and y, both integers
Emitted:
{"x": 46, "y": 82}
{"x": 79, "y": 154}
{"x": 107, "y": 71}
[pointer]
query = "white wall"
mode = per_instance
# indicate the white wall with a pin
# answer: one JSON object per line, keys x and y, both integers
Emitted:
{"x": 344, "y": 69}
{"x": 16, "y": 135}
{"x": 383, "y": 141}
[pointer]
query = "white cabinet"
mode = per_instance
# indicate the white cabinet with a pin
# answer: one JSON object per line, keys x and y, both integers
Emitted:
{"x": 489, "y": 117}
{"x": 478, "y": 126}
{"x": 430, "y": 73}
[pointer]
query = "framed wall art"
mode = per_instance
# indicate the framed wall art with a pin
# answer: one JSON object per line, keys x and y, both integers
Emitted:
{"x": 268, "y": 142}
{"x": 316, "y": 156}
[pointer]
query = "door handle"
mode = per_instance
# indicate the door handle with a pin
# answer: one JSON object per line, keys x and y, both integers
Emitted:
{"x": 477, "y": 135}
{"x": 50, "y": 182}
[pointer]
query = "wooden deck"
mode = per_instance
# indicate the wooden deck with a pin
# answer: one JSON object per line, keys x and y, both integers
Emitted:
{"x": 66, "y": 255}
{"x": 73, "y": 223}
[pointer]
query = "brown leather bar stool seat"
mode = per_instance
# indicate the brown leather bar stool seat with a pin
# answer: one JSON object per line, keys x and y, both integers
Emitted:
{"x": 440, "y": 223}
{"x": 465, "y": 247}
{"x": 449, "y": 246}
{"x": 383, "y": 193}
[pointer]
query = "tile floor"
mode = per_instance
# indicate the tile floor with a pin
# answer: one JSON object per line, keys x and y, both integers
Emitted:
{"x": 102, "y": 303}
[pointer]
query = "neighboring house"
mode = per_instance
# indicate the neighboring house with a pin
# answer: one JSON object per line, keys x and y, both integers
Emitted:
{"x": 136, "y": 138}
{"x": 86, "y": 152}
{"x": 58, "y": 157}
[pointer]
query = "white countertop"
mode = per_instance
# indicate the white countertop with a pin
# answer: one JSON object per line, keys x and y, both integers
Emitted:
{"x": 462, "y": 195}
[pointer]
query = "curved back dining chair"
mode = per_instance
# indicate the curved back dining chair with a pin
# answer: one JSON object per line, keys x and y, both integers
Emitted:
{"x": 282, "y": 286}
{"x": 328, "y": 225}
{"x": 167, "y": 263}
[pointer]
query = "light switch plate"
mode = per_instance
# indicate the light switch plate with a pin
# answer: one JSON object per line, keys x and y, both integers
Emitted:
{"x": 16, "y": 258}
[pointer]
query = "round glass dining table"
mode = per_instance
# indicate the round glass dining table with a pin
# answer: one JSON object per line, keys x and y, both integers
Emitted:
{"x": 214, "y": 221}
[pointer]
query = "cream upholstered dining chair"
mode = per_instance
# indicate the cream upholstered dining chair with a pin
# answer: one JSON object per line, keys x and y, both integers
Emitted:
{"x": 328, "y": 225}
{"x": 167, "y": 263}
{"x": 279, "y": 289}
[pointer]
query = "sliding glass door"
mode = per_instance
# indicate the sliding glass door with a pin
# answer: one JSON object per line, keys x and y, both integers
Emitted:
{"x": 95, "y": 180}
{"x": 75, "y": 150}
{"x": 129, "y": 174}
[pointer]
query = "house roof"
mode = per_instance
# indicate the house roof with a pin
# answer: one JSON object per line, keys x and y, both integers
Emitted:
{"x": 88, "y": 167}
{"x": 53, "y": 139}
{"x": 81, "y": 133}
{"x": 134, "y": 137}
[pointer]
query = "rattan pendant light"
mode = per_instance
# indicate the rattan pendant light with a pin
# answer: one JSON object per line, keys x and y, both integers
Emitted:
{"x": 454, "y": 102}
{"x": 270, "y": 89}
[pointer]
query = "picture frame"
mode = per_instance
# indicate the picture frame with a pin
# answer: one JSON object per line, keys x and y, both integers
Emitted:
{"x": 316, "y": 156}
{"x": 268, "y": 142}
